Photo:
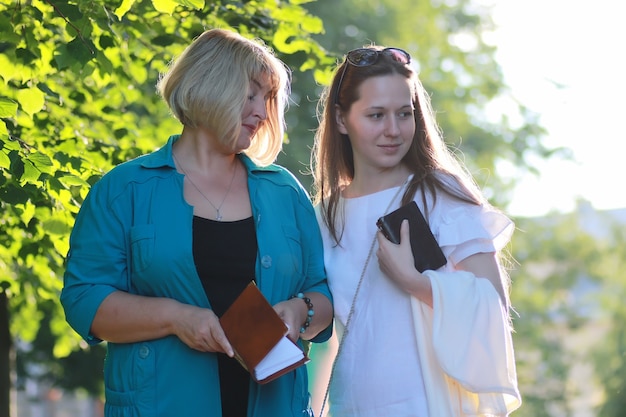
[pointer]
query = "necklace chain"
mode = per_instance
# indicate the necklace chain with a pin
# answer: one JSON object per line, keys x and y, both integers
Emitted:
{"x": 218, "y": 216}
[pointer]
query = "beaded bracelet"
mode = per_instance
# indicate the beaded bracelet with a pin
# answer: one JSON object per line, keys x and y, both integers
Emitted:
{"x": 310, "y": 313}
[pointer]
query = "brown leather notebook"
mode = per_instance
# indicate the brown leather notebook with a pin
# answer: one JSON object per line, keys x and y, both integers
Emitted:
{"x": 258, "y": 336}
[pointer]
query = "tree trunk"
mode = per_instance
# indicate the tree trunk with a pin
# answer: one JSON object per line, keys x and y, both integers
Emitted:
{"x": 5, "y": 357}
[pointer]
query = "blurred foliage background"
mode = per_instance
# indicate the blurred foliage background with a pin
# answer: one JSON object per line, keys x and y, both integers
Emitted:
{"x": 77, "y": 96}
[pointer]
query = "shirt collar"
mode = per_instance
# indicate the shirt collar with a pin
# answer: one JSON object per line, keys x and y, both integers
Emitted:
{"x": 163, "y": 157}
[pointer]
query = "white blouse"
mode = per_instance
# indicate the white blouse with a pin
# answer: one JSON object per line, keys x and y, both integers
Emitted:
{"x": 378, "y": 371}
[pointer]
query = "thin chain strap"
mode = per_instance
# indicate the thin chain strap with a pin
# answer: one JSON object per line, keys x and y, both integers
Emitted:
{"x": 352, "y": 306}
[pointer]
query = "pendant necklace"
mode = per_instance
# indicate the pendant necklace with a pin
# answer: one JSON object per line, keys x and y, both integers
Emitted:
{"x": 218, "y": 216}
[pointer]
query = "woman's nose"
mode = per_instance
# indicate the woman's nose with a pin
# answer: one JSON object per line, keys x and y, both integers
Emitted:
{"x": 260, "y": 111}
{"x": 392, "y": 127}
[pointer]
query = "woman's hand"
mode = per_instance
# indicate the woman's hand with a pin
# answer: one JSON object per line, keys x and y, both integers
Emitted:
{"x": 293, "y": 313}
{"x": 130, "y": 318}
{"x": 397, "y": 263}
{"x": 200, "y": 329}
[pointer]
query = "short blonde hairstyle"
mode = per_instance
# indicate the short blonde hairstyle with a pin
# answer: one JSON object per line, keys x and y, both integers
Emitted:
{"x": 208, "y": 85}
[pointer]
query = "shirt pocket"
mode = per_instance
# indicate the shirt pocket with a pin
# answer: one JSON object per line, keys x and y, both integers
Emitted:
{"x": 130, "y": 380}
{"x": 294, "y": 246}
{"x": 142, "y": 241}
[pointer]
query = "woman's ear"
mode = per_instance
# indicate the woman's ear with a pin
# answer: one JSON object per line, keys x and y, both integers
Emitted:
{"x": 339, "y": 119}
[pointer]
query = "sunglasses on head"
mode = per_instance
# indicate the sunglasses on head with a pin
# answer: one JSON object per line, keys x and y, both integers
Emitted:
{"x": 364, "y": 57}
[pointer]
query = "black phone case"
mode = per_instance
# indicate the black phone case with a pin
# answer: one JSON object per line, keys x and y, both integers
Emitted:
{"x": 426, "y": 250}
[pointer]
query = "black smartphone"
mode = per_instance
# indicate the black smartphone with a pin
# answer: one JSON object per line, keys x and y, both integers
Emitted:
{"x": 426, "y": 250}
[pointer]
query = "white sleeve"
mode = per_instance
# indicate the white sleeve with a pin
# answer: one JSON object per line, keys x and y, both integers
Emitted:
{"x": 469, "y": 342}
{"x": 463, "y": 229}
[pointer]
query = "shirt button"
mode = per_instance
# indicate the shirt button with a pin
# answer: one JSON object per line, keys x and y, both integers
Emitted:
{"x": 144, "y": 352}
{"x": 266, "y": 261}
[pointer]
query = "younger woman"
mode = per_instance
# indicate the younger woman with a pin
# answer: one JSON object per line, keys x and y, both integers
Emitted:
{"x": 436, "y": 343}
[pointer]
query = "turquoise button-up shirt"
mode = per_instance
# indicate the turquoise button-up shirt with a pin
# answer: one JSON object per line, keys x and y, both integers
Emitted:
{"x": 134, "y": 233}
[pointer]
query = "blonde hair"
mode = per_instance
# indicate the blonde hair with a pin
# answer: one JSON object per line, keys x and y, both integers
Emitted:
{"x": 207, "y": 86}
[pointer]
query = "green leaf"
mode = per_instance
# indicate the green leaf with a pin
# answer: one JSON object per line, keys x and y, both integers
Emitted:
{"x": 41, "y": 161}
{"x": 70, "y": 11}
{"x": 62, "y": 57}
{"x": 8, "y": 107}
{"x": 286, "y": 42}
{"x": 31, "y": 173}
{"x": 165, "y": 6}
{"x": 11, "y": 145}
{"x": 5, "y": 161}
{"x": 17, "y": 164}
{"x": 27, "y": 212}
{"x": 26, "y": 56}
{"x": 164, "y": 39}
{"x": 8, "y": 68}
{"x": 106, "y": 42}
{"x": 139, "y": 73}
{"x": 80, "y": 50}
{"x": 124, "y": 8}
{"x": 70, "y": 180}
{"x": 31, "y": 100}
{"x": 196, "y": 4}
{"x": 13, "y": 195}
{"x": 56, "y": 226}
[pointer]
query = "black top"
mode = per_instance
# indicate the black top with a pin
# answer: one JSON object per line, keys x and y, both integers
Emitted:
{"x": 225, "y": 256}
